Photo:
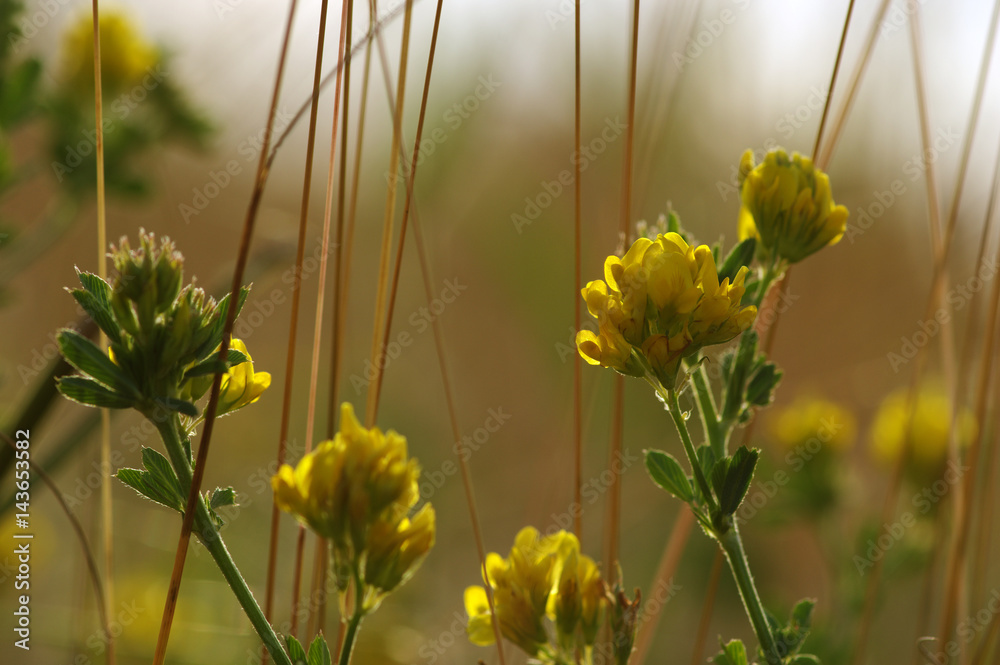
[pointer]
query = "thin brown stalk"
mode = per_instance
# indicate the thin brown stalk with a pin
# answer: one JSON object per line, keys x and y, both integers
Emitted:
{"x": 666, "y": 569}
{"x": 390, "y": 214}
{"x": 967, "y": 482}
{"x": 833, "y": 82}
{"x": 81, "y": 536}
{"x": 317, "y": 615}
{"x": 107, "y": 513}
{"x": 824, "y": 156}
{"x": 612, "y": 533}
{"x": 213, "y": 400}
{"x": 577, "y": 281}
{"x": 293, "y": 326}
{"x": 411, "y": 178}
{"x": 460, "y": 450}
{"x": 346, "y": 237}
{"x": 988, "y": 641}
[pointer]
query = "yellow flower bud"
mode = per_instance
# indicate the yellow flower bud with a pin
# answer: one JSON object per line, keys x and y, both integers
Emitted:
{"x": 396, "y": 549}
{"x": 788, "y": 206}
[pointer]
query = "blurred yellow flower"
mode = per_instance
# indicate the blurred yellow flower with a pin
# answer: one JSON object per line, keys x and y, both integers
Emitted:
{"x": 397, "y": 548}
{"x": 344, "y": 486}
{"x": 126, "y": 58}
{"x": 929, "y": 432}
{"x": 788, "y": 206}
{"x": 542, "y": 576}
{"x": 664, "y": 300}
{"x": 241, "y": 385}
{"x": 812, "y": 418}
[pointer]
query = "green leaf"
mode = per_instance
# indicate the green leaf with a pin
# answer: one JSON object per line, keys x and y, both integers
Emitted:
{"x": 746, "y": 352}
{"x": 211, "y": 365}
{"x": 295, "y": 651}
{"x": 802, "y": 613}
{"x": 84, "y": 355}
{"x": 741, "y": 255}
{"x": 222, "y": 496}
{"x": 760, "y": 391}
{"x": 99, "y": 299}
{"x": 215, "y": 338}
{"x": 103, "y": 318}
{"x": 733, "y": 653}
{"x": 87, "y": 391}
{"x": 706, "y": 460}
{"x": 319, "y": 652}
{"x": 668, "y": 474}
{"x": 178, "y": 405}
{"x": 158, "y": 482}
{"x": 804, "y": 659}
{"x": 731, "y": 478}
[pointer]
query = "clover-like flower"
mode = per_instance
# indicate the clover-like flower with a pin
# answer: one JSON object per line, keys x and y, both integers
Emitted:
{"x": 126, "y": 58}
{"x": 808, "y": 420}
{"x": 788, "y": 206}
{"x": 542, "y": 577}
{"x": 397, "y": 548}
{"x": 927, "y": 435}
{"x": 241, "y": 386}
{"x": 664, "y": 300}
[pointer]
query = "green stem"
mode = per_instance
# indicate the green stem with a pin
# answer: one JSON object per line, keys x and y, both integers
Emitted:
{"x": 354, "y": 623}
{"x": 169, "y": 429}
{"x": 708, "y": 412}
{"x": 732, "y": 547}
{"x": 670, "y": 399}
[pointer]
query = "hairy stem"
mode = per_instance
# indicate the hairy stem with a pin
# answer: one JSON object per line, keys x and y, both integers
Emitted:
{"x": 732, "y": 547}
{"x": 170, "y": 432}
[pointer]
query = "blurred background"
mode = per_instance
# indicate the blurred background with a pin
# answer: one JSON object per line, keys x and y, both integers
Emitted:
{"x": 714, "y": 79}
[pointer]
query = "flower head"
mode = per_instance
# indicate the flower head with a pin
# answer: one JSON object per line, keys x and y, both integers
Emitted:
{"x": 926, "y": 436}
{"x": 543, "y": 576}
{"x": 125, "y": 56}
{"x": 788, "y": 206}
{"x": 811, "y": 418}
{"x": 664, "y": 300}
{"x": 397, "y": 548}
{"x": 241, "y": 385}
{"x": 346, "y": 485}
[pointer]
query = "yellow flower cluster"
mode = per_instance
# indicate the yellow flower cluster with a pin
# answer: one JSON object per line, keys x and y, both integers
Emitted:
{"x": 357, "y": 490}
{"x": 788, "y": 206}
{"x": 810, "y": 420}
{"x": 928, "y": 433}
{"x": 125, "y": 56}
{"x": 664, "y": 300}
{"x": 544, "y": 576}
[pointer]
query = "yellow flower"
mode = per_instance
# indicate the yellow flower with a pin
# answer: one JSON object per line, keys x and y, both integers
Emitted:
{"x": 813, "y": 419}
{"x": 542, "y": 576}
{"x": 788, "y": 206}
{"x": 396, "y": 549}
{"x": 346, "y": 485}
{"x": 241, "y": 385}
{"x": 126, "y": 58}
{"x": 928, "y": 433}
{"x": 664, "y": 300}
